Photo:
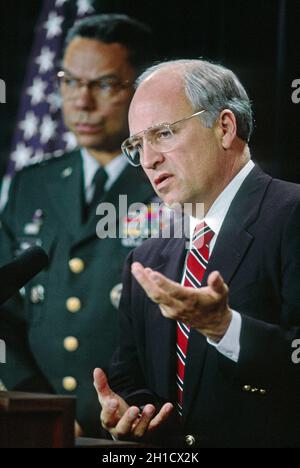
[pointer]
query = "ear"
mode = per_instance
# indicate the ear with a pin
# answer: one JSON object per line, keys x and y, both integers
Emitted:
{"x": 227, "y": 128}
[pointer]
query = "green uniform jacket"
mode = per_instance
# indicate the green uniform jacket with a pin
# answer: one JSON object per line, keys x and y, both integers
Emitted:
{"x": 66, "y": 324}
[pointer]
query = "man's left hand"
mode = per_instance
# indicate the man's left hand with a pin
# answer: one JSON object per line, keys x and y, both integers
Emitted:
{"x": 205, "y": 309}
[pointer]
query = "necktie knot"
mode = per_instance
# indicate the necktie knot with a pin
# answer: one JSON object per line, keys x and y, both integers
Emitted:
{"x": 202, "y": 236}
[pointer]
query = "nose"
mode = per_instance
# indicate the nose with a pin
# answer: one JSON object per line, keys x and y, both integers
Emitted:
{"x": 150, "y": 158}
{"x": 85, "y": 99}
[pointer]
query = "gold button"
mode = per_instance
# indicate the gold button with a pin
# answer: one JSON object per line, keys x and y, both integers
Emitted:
{"x": 254, "y": 390}
{"x": 190, "y": 440}
{"x": 76, "y": 265}
{"x": 69, "y": 384}
{"x": 262, "y": 391}
{"x": 73, "y": 304}
{"x": 71, "y": 344}
{"x": 247, "y": 388}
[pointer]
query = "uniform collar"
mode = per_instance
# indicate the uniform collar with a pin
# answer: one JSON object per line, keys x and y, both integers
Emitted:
{"x": 91, "y": 165}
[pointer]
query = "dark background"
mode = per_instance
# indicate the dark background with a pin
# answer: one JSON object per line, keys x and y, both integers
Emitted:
{"x": 259, "y": 40}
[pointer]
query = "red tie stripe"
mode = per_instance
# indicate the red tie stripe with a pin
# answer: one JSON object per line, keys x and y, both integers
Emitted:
{"x": 196, "y": 265}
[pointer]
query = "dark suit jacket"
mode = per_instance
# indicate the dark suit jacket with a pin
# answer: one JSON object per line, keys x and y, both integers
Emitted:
{"x": 37, "y": 359}
{"x": 255, "y": 402}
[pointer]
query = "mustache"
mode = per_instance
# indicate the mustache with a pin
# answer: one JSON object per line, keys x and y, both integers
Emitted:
{"x": 84, "y": 118}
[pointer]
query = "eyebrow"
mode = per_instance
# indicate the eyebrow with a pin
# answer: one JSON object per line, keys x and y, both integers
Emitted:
{"x": 154, "y": 127}
{"x": 103, "y": 77}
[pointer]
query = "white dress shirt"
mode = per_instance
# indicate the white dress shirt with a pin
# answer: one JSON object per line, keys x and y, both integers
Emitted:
{"x": 229, "y": 345}
{"x": 90, "y": 167}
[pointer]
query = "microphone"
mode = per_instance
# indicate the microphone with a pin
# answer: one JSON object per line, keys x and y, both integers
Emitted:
{"x": 17, "y": 273}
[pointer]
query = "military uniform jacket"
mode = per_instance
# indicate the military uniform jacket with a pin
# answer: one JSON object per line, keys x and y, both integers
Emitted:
{"x": 66, "y": 325}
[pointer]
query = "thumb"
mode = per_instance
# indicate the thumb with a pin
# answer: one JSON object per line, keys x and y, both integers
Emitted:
{"x": 216, "y": 283}
{"x": 101, "y": 384}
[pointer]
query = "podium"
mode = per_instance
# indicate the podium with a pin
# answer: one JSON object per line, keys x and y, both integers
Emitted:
{"x": 36, "y": 421}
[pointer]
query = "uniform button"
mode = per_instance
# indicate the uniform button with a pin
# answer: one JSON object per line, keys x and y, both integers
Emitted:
{"x": 69, "y": 384}
{"x": 254, "y": 390}
{"x": 76, "y": 265}
{"x": 71, "y": 344}
{"x": 37, "y": 294}
{"x": 262, "y": 391}
{"x": 190, "y": 440}
{"x": 73, "y": 304}
{"x": 247, "y": 388}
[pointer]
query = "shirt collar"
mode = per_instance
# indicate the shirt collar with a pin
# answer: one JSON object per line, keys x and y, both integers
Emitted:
{"x": 217, "y": 212}
{"x": 91, "y": 165}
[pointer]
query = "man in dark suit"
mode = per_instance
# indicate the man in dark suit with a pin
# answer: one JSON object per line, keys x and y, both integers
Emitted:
{"x": 67, "y": 321}
{"x": 224, "y": 313}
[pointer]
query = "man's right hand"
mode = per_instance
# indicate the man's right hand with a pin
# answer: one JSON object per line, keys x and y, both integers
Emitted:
{"x": 122, "y": 420}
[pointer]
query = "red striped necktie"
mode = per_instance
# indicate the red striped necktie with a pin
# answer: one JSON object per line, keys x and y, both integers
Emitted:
{"x": 196, "y": 264}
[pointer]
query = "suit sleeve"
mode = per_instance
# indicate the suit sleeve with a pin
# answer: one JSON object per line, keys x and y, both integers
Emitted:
{"x": 20, "y": 372}
{"x": 126, "y": 374}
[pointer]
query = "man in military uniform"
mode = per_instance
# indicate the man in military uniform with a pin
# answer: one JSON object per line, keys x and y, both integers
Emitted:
{"x": 65, "y": 323}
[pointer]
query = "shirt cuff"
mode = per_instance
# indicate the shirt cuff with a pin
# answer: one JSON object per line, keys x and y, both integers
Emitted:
{"x": 229, "y": 345}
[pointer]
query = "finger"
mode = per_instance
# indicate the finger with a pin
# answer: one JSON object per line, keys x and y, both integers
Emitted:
{"x": 168, "y": 286}
{"x": 109, "y": 414}
{"x": 142, "y": 425}
{"x": 161, "y": 417}
{"x": 171, "y": 287}
{"x": 143, "y": 277}
{"x": 127, "y": 423}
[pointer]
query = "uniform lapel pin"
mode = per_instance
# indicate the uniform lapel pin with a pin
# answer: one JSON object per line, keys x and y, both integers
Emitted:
{"x": 67, "y": 172}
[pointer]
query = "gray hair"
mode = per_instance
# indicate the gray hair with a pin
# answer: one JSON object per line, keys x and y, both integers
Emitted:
{"x": 211, "y": 87}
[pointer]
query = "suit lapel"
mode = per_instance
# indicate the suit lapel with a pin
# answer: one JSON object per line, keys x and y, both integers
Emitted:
{"x": 232, "y": 244}
{"x": 65, "y": 192}
{"x": 235, "y": 237}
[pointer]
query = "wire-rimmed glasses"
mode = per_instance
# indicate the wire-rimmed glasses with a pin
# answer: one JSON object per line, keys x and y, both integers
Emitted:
{"x": 162, "y": 138}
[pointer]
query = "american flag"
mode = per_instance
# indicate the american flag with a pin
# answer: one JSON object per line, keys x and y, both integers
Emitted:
{"x": 40, "y": 132}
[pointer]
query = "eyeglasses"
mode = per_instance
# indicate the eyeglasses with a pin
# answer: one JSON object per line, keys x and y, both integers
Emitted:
{"x": 105, "y": 88}
{"x": 162, "y": 138}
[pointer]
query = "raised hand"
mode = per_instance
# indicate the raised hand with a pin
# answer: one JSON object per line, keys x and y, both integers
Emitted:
{"x": 122, "y": 420}
{"x": 205, "y": 309}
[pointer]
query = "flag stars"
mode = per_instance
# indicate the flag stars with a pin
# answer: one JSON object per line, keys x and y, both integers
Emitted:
{"x": 29, "y": 125}
{"x": 46, "y": 60}
{"x": 37, "y": 91}
{"x": 38, "y": 157}
{"x": 60, "y": 3}
{"x": 21, "y": 156}
{"x": 47, "y": 129}
{"x": 84, "y": 7}
{"x": 53, "y": 25}
{"x": 70, "y": 140}
{"x": 54, "y": 101}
